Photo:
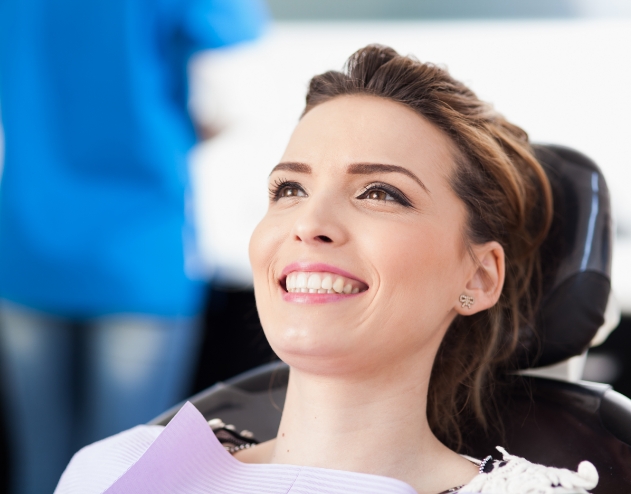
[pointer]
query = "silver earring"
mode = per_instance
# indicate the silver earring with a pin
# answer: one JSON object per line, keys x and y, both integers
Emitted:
{"x": 466, "y": 301}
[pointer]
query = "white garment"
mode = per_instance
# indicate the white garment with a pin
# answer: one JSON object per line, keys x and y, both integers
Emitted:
{"x": 519, "y": 476}
{"x": 96, "y": 467}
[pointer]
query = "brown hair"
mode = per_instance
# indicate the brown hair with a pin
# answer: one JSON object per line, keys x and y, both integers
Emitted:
{"x": 508, "y": 199}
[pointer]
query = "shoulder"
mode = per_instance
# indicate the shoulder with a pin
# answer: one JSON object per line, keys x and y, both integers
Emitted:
{"x": 95, "y": 467}
{"x": 515, "y": 475}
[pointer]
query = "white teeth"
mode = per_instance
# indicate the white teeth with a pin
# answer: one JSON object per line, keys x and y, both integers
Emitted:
{"x": 290, "y": 283}
{"x": 327, "y": 282}
{"x": 303, "y": 282}
{"x": 338, "y": 286}
{"x": 314, "y": 282}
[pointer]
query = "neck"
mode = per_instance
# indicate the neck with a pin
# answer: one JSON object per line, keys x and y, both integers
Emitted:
{"x": 374, "y": 424}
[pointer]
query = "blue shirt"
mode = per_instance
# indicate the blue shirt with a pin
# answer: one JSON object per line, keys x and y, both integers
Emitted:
{"x": 93, "y": 97}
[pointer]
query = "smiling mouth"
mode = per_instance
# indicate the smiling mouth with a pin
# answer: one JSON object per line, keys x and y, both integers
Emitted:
{"x": 321, "y": 282}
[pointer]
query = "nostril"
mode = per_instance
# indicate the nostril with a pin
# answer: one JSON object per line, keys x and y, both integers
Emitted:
{"x": 324, "y": 238}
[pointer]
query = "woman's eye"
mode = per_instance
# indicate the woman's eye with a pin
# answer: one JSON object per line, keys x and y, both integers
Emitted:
{"x": 291, "y": 191}
{"x": 379, "y": 195}
{"x": 283, "y": 189}
{"x": 385, "y": 193}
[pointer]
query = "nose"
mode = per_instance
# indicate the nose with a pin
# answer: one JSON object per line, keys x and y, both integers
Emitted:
{"x": 320, "y": 222}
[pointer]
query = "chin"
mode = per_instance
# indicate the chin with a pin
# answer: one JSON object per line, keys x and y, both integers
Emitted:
{"x": 305, "y": 346}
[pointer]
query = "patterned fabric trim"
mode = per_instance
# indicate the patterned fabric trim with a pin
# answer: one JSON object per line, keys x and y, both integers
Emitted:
{"x": 229, "y": 438}
{"x": 515, "y": 475}
{"x": 452, "y": 490}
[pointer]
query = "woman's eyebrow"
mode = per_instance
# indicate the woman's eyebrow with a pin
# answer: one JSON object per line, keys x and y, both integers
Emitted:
{"x": 292, "y": 166}
{"x": 368, "y": 168}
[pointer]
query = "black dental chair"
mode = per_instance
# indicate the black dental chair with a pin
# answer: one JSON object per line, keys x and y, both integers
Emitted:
{"x": 553, "y": 422}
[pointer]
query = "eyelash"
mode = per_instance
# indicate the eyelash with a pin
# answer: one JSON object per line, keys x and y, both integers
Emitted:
{"x": 279, "y": 184}
{"x": 399, "y": 197}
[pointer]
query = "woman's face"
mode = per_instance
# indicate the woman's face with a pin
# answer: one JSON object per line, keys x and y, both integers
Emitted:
{"x": 360, "y": 261}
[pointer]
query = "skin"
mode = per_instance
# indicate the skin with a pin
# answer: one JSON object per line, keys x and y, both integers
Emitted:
{"x": 360, "y": 364}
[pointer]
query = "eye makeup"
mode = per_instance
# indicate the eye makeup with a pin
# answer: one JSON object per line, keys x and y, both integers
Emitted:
{"x": 280, "y": 185}
{"x": 397, "y": 196}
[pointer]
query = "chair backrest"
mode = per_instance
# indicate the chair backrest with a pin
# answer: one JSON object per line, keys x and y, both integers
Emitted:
{"x": 576, "y": 259}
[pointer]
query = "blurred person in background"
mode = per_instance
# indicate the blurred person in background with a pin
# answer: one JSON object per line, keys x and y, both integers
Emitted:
{"x": 98, "y": 302}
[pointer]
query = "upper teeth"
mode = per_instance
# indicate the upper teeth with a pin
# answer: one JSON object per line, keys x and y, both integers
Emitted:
{"x": 321, "y": 283}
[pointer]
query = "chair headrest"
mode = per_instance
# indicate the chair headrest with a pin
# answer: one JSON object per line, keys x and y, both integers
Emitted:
{"x": 576, "y": 259}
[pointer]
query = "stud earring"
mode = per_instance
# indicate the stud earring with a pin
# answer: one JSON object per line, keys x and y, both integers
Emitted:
{"x": 466, "y": 301}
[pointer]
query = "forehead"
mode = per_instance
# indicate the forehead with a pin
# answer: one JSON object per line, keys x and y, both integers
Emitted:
{"x": 359, "y": 128}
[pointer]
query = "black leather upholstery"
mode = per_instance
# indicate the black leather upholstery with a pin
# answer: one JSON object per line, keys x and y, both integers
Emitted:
{"x": 576, "y": 259}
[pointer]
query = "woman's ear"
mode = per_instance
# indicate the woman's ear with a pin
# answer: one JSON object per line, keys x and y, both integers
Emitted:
{"x": 484, "y": 286}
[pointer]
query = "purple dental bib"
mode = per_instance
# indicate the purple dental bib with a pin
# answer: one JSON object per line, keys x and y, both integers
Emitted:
{"x": 187, "y": 458}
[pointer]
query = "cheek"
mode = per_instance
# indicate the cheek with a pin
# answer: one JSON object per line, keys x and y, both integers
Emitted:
{"x": 263, "y": 243}
{"x": 421, "y": 268}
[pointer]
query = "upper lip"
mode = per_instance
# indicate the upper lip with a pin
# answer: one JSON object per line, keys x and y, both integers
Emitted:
{"x": 317, "y": 267}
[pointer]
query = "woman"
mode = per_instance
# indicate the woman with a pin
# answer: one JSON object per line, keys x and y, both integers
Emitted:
{"x": 393, "y": 272}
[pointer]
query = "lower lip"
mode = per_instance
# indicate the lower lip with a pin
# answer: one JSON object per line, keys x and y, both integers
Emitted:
{"x": 317, "y": 298}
